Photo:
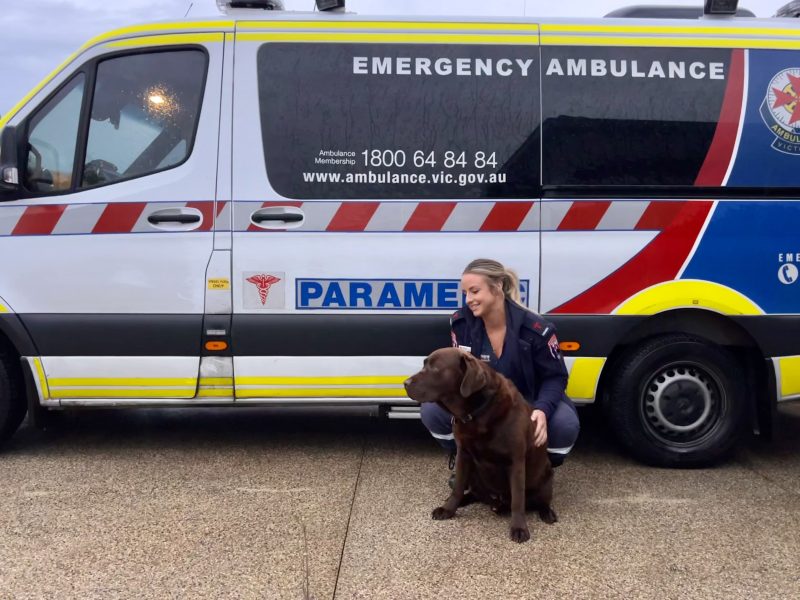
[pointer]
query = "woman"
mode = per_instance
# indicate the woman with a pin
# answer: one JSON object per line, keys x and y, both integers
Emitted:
{"x": 518, "y": 343}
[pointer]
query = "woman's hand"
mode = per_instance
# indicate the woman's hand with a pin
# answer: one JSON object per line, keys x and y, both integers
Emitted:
{"x": 539, "y": 427}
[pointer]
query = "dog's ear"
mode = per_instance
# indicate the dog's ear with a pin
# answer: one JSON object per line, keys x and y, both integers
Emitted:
{"x": 474, "y": 375}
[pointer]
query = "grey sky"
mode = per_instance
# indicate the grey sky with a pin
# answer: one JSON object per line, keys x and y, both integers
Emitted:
{"x": 37, "y": 35}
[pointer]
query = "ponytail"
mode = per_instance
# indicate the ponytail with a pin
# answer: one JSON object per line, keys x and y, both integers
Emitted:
{"x": 505, "y": 279}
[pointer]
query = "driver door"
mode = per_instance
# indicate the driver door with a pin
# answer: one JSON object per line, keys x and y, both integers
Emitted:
{"x": 105, "y": 253}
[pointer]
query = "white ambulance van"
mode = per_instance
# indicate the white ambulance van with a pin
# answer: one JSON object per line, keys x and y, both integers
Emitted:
{"x": 275, "y": 208}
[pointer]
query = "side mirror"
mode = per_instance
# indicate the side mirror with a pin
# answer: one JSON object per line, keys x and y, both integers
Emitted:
{"x": 9, "y": 163}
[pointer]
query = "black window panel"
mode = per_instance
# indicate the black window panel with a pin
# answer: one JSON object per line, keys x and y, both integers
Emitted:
{"x": 311, "y": 101}
{"x": 625, "y": 131}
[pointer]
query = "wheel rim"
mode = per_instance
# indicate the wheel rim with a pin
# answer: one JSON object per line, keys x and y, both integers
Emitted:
{"x": 683, "y": 403}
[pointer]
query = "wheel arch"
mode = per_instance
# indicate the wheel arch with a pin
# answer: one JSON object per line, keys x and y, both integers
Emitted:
{"x": 14, "y": 344}
{"x": 14, "y": 336}
{"x": 719, "y": 330}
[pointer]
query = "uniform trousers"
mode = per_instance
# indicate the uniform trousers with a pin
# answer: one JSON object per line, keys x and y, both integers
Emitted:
{"x": 562, "y": 428}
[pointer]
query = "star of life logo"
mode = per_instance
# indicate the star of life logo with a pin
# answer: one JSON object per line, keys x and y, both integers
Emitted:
{"x": 781, "y": 110}
{"x": 266, "y": 290}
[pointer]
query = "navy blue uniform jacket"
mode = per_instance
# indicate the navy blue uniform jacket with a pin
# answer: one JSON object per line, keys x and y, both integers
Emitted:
{"x": 535, "y": 351}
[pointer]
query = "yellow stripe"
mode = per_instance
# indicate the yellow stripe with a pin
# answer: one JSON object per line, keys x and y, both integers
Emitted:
{"x": 42, "y": 379}
{"x": 133, "y": 30}
{"x": 670, "y": 29}
{"x": 16, "y": 108}
{"x": 390, "y": 25}
{"x": 122, "y": 381}
{"x": 164, "y": 40}
{"x": 321, "y": 393}
{"x": 216, "y": 381}
{"x": 672, "y": 42}
{"x": 118, "y": 393}
{"x": 583, "y": 377}
{"x": 688, "y": 293}
{"x": 386, "y": 38}
{"x": 157, "y": 27}
{"x": 3, "y": 309}
{"x": 790, "y": 375}
{"x": 227, "y": 393}
{"x": 351, "y": 380}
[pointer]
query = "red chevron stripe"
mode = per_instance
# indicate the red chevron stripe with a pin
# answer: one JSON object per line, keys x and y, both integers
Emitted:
{"x": 119, "y": 217}
{"x": 506, "y": 216}
{"x": 584, "y": 215}
{"x": 430, "y": 216}
{"x": 352, "y": 216}
{"x": 39, "y": 220}
{"x": 659, "y": 214}
{"x": 659, "y": 261}
{"x": 720, "y": 153}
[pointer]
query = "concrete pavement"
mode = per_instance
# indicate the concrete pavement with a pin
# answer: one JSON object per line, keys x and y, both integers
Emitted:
{"x": 268, "y": 503}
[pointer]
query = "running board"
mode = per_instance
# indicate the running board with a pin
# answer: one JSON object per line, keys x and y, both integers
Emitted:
{"x": 403, "y": 412}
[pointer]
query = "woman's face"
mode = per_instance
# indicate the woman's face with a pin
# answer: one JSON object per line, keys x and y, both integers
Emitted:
{"x": 482, "y": 297}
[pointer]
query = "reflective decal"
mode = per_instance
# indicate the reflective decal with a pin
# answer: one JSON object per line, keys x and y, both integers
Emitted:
{"x": 219, "y": 283}
{"x": 781, "y": 110}
{"x": 264, "y": 290}
{"x": 383, "y": 294}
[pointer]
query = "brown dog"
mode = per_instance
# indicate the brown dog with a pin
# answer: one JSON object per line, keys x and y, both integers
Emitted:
{"x": 497, "y": 460}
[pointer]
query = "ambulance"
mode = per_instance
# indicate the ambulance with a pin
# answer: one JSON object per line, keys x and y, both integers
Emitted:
{"x": 275, "y": 208}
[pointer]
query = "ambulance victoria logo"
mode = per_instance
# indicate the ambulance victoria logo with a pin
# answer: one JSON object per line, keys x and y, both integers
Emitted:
{"x": 263, "y": 291}
{"x": 781, "y": 110}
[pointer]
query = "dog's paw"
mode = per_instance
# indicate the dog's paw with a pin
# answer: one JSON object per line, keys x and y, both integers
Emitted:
{"x": 548, "y": 515}
{"x": 441, "y": 513}
{"x": 519, "y": 534}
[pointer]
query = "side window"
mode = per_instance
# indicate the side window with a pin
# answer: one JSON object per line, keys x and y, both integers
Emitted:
{"x": 629, "y": 116}
{"x": 52, "y": 139}
{"x": 144, "y": 114}
{"x": 400, "y": 120}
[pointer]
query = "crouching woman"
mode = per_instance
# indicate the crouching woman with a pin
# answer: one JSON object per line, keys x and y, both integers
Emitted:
{"x": 518, "y": 343}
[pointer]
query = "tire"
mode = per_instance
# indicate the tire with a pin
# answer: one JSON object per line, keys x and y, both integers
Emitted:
{"x": 678, "y": 401}
{"x": 12, "y": 398}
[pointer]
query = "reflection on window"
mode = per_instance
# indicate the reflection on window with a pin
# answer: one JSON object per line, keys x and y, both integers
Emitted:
{"x": 144, "y": 114}
{"x": 52, "y": 140}
{"x": 605, "y": 125}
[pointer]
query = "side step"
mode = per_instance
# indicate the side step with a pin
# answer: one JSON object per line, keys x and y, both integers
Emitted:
{"x": 403, "y": 412}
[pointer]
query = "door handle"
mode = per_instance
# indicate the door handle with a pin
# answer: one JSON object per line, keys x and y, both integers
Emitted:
{"x": 175, "y": 219}
{"x": 259, "y": 217}
{"x": 164, "y": 217}
{"x": 278, "y": 217}
{"x": 169, "y": 216}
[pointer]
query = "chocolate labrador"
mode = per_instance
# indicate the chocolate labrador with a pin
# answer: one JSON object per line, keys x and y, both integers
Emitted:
{"x": 497, "y": 460}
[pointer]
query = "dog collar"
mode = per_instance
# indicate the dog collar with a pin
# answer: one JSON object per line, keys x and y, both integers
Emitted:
{"x": 477, "y": 412}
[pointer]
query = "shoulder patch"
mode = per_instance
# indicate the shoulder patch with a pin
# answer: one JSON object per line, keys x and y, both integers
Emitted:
{"x": 539, "y": 326}
{"x": 455, "y": 317}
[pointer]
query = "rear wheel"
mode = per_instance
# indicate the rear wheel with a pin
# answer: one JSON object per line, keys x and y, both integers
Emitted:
{"x": 678, "y": 400}
{"x": 12, "y": 399}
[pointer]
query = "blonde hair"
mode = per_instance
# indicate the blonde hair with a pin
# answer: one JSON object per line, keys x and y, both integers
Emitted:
{"x": 506, "y": 279}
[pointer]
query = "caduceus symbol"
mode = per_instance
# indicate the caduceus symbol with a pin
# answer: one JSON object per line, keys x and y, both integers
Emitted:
{"x": 263, "y": 283}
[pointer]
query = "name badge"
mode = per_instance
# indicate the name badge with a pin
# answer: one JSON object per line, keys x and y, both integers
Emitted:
{"x": 466, "y": 348}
